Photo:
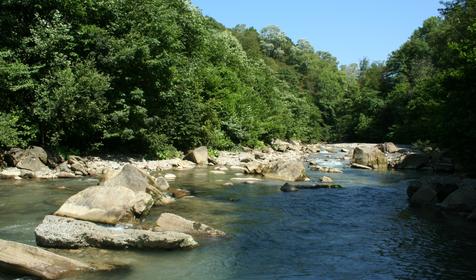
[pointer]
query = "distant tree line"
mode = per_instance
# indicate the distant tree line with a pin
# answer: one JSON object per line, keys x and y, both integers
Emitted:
{"x": 156, "y": 77}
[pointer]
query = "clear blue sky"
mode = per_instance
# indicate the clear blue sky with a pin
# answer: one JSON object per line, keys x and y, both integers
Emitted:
{"x": 348, "y": 29}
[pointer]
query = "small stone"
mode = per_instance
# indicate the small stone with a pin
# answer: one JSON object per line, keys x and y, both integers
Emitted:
{"x": 360, "y": 166}
{"x": 170, "y": 176}
{"x": 246, "y": 179}
{"x": 326, "y": 179}
{"x": 289, "y": 188}
{"x": 65, "y": 175}
{"x": 235, "y": 167}
{"x": 221, "y": 168}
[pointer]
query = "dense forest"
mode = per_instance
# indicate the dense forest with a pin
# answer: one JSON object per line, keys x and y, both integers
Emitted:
{"x": 156, "y": 77}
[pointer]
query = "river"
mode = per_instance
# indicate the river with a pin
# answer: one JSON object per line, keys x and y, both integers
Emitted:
{"x": 364, "y": 231}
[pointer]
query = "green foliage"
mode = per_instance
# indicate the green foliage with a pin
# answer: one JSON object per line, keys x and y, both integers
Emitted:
{"x": 156, "y": 77}
{"x": 11, "y": 134}
{"x": 159, "y": 147}
{"x": 70, "y": 105}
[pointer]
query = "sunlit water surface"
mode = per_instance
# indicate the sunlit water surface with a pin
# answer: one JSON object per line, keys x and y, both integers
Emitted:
{"x": 363, "y": 231}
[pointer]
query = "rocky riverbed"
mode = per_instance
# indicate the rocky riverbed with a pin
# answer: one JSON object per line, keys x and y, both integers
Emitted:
{"x": 128, "y": 188}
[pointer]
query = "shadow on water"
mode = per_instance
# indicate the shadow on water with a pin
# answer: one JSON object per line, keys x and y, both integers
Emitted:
{"x": 363, "y": 231}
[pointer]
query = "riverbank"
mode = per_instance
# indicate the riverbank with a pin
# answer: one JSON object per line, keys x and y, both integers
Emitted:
{"x": 37, "y": 163}
{"x": 137, "y": 185}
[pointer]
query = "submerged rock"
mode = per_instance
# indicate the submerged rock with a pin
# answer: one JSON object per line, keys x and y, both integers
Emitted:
{"x": 34, "y": 261}
{"x": 172, "y": 222}
{"x": 285, "y": 170}
{"x": 198, "y": 155}
{"x": 179, "y": 193}
{"x": 288, "y": 188}
{"x": 61, "y": 232}
{"x": 294, "y": 186}
{"x": 106, "y": 205}
{"x": 369, "y": 156}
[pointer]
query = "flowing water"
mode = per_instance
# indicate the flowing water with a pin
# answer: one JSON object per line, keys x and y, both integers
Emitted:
{"x": 363, "y": 231}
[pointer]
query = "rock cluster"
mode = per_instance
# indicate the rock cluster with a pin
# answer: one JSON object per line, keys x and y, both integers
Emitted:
{"x": 104, "y": 216}
{"x": 446, "y": 193}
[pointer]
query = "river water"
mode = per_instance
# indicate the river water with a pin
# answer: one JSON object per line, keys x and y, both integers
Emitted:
{"x": 364, "y": 231}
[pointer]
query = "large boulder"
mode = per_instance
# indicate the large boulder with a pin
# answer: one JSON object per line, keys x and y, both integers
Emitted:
{"x": 172, "y": 222}
{"x": 106, "y": 205}
{"x": 253, "y": 167}
{"x": 413, "y": 161}
{"x": 137, "y": 181}
{"x": 198, "y": 155}
{"x": 462, "y": 199}
{"x": 15, "y": 155}
{"x": 61, "y": 232}
{"x": 413, "y": 187}
{"x": 388, "y": 147}
{"x": 285, "y": 170}
{"x": 370, "y": 156}
{"x": 34, "y": 261}
{"x": 424, "y": 196}
{"x": 33, "y": 164}
{"x": 78, "y": 165}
